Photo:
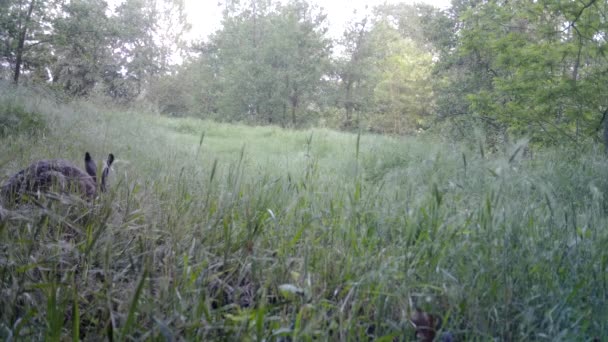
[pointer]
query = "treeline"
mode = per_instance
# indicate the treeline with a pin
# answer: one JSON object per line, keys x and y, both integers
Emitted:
{"x": 507, "y": 68}
{"x": 84, "y": 46}
{"x": 274, "y": 63}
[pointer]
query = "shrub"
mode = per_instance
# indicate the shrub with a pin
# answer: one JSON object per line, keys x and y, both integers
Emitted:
{"x": 15, "y": 120}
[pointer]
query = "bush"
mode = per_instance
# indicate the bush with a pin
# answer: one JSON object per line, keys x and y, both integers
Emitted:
{"x": 15, "y": 120}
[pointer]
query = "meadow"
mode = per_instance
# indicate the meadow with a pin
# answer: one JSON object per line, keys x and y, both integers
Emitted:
{"x": 230, "y": 232}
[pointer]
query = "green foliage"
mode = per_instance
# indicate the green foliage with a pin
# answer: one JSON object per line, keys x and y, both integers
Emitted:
{"x": 358, "y": 72}
{"x": 84, "y": 46}
{"x": 536, "y": 68}
{"x": 385, "y": 72}
{"x": 270, "y": 64}
{"x": 82, "y": 37}
{"x": 139, "y": 55}
{"x": 403, "y": 95}
{"x": 507, "y": 69}
{"x": 271, "y": 59}
{"x": 15, "y": 120}
{"x": 427, "y": 26}
{"x": 24, "y": 36}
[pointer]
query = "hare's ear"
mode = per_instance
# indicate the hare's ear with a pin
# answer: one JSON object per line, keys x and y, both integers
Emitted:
{"x": 106, "y": 171}
{"x": 89, "y": 165}
{"x": 110, "y": 160}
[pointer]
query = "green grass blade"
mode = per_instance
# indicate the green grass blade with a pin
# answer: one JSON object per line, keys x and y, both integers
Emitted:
{"x": 130, "y": 322}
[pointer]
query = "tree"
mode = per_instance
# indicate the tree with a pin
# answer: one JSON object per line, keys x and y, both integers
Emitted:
{"x": 272, "y": 58}
{"x": 535, "y": 68}
{"x": 24, "y": 28}
{"x": 137, "y": 53}
{"x": 384, "y": 74}
{"x": 425, "y": 25}
{"x": 249, "y": 91}
{"x": 304, "y": 51}
{"x": 355, "y": 68}
{"x": 148, "y": 37}
{"x": 404, "y": 94}
{"x": 193, "y": 89}
{"x": 82, "y": 39}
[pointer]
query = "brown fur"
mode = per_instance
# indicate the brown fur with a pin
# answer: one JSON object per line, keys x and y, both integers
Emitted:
{"x": 57, "y": 174}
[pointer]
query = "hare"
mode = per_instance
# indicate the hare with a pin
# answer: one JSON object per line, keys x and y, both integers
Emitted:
{"x": 60, "y": 175}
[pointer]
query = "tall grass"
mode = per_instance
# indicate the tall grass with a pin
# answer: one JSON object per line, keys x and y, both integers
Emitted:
{"x": 214, "y": 231}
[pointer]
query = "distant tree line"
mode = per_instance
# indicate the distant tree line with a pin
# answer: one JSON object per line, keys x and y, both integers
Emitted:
{"x": 274, "y": 63}
{"x": 535, "y": 69}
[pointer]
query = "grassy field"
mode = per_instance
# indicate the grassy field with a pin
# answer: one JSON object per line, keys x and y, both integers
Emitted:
{"x": 227, "y": 232}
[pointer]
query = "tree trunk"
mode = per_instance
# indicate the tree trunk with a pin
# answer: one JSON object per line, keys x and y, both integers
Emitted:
{"x": 21, "y": 42}
{"x": 284, "y": 121}
{"x": 605, "y": 122}
{"x": 348, "y": 104}
{"x": 294, "y": 105}
{"x": 606, "y": 136}
{"x": 295, "y": 99}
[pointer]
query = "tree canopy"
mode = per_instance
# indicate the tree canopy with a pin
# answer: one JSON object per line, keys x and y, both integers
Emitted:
{"x": 510, "y": 68}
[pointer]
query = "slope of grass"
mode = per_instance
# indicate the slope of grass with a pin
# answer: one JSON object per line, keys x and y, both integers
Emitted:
{"x": 214, "y": 231}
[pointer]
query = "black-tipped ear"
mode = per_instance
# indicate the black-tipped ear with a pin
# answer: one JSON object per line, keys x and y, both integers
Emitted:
{"x": 90, "y": 166}
{"x": 106, "y": 171}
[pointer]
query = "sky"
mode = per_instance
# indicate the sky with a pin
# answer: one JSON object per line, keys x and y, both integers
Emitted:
{"x": 205, "y": 15}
